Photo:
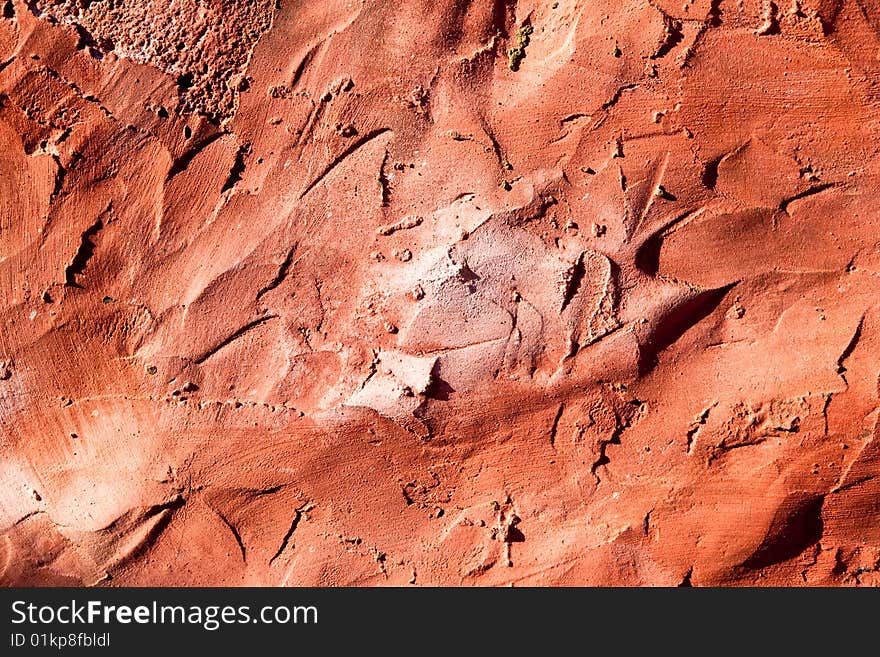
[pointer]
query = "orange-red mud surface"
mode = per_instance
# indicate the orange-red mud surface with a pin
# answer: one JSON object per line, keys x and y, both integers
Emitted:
{"x": 434, "y": 293}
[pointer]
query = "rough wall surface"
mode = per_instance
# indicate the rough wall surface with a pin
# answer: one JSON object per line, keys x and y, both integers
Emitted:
{"x": 452, "y": 292}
